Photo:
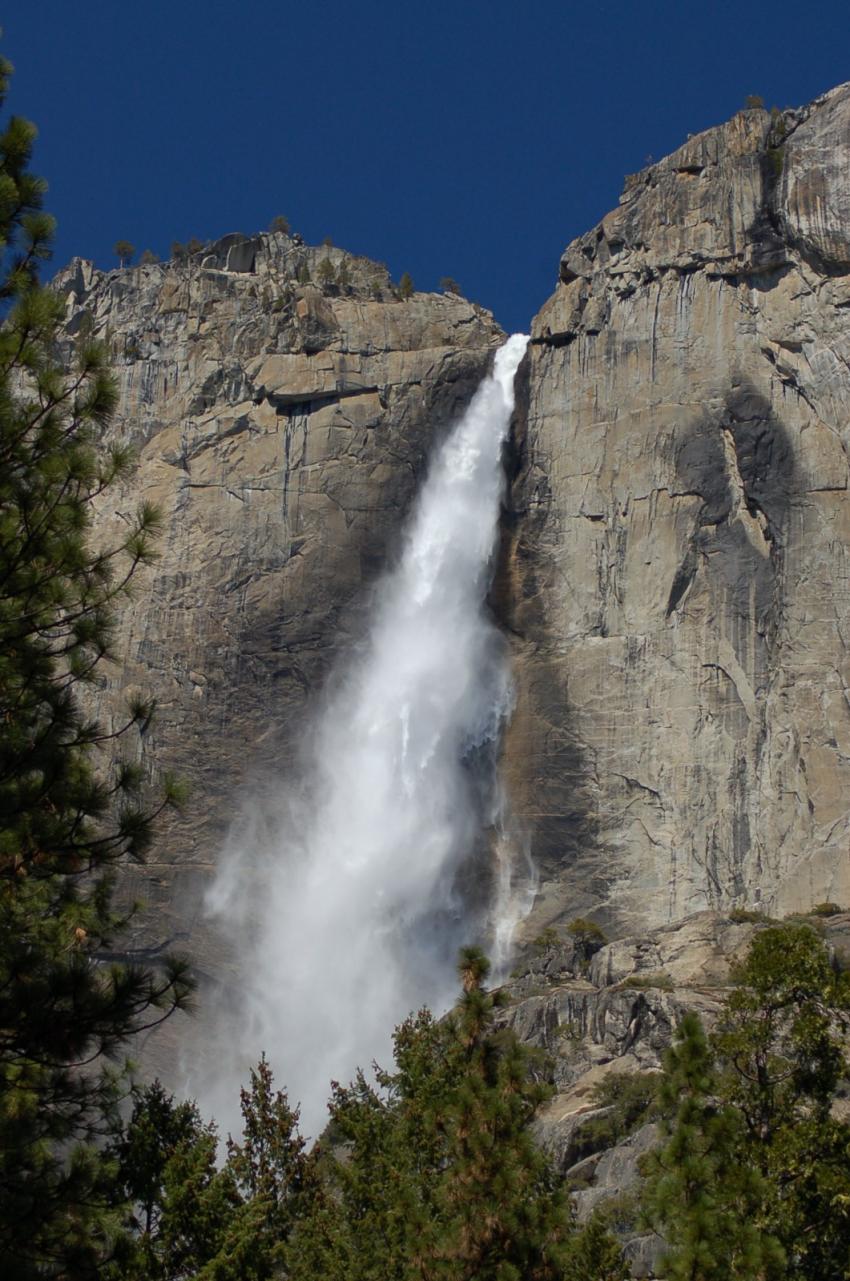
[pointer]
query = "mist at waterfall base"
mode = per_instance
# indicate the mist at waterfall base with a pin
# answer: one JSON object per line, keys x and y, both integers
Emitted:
{"x": 344, "y": 899}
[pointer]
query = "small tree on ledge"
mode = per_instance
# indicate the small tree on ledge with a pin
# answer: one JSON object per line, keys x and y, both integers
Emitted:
{"x": 124, "y": 252}
{"x": 325, "y": 273}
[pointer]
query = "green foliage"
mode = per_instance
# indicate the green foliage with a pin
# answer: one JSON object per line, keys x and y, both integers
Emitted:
{"x": 779, "y": 1029}
{"x": 124, "y": 252}
{"x": 179, "y": 251}
{"x": 752, "y": 1134}
{"x": 194, "y": 245}
{"x": 645, "y": 982}
{"x": 327, "y": 242}
{"x": 65, "y": 1013}
{"x": 325, "y": 274}
{"x": 148, "y": 258}
{"x": 437, "y": 1174}
{"x": 343, "y": 276}
{"x": 754, "y": 102}
{"x": 279, "y": 224}
{"x": 157, "y": 1128}
{"x": 190, "y": 1217}
{"x": 781, "y": 1043}
{"x": 747, "y": 916}
{"x": 595, "y": 1254}
{"x": 776, "y": 160}
{"x": 827, "y": 909}
{"x": 588, "y": 938}
{"x": 630, "y": 1100}
{"x": 700, "y": 1196}
{"x": 405, "y": 286}
{"x": 450, "y": 286}
{"x": 303, "y": 276}
{"x": 433, "y": 1173}
{"x": 270, "y": 1170}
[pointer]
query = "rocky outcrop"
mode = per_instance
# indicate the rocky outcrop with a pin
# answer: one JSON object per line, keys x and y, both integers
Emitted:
{"x": 675, "y": 576}
{"x": 614, "y": 1016}
{"x": 282, "y": 427}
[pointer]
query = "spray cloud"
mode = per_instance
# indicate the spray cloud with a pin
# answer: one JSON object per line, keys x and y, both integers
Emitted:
{"x": 357, "y": 916}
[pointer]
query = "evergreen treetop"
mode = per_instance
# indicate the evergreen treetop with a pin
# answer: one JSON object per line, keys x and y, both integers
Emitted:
{"x": 753, "y": 1180}
{"x": 65, "y": 1011}
{"x": 124, "y": 252}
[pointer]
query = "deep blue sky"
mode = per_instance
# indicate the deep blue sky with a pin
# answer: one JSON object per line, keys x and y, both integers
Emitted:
{"x": 471, "y": 138}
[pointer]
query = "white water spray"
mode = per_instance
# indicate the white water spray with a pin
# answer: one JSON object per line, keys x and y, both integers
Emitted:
{"x": 356, "y": 914}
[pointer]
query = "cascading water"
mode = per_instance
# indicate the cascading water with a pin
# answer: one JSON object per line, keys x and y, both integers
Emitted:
{"x": 357, "y": 916}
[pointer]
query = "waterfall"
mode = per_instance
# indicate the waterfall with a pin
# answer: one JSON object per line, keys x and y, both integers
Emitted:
{"x": 344, "y": 904}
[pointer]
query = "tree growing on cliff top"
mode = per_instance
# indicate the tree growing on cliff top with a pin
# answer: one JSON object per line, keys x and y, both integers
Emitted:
{"x": 124, "y": 252}
{"x": 64, "y": 1012}
{"x": 325, "y": 273}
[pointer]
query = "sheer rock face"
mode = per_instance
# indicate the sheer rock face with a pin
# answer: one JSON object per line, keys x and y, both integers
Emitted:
{"x": 282, "y": 429}
{"x": 676, "y": 571}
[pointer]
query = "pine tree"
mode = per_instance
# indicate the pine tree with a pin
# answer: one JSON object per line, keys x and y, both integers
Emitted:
{"x": 191, "y": 1218}
{"x": 440, "y": 1179}
{"x": 781, "y": 1044}
{"x": 503, "y": 1212}
{"x": 595, "y": 1254}
{"x": 325, "y": 273}
{"x": 702, "y": 1194}
{"x": 405, "y": 286}
{"x": 124, "y": 252}
{"x": 279, "y": 224}
{"x": 64, "y": 1013}
{"x": 157, "y": 1129}
{"x": 272, "y": 1174}
{"x": 199, "y": 1205}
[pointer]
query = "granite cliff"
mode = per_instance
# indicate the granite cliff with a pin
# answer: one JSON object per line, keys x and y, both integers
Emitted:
{"x": 282, "y": 428}
{"x": 675, "y": 545}
{"x": 675, "y": 570}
